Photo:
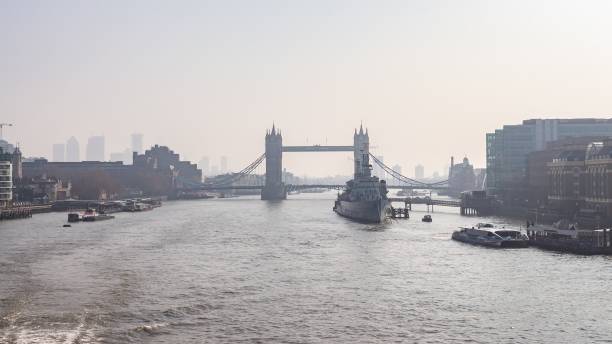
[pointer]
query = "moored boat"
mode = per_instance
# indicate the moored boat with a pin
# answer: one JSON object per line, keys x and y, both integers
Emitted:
{"x": 485, "y": 234}
{"x": 91, "y": 215}
{"x": 365, "y": 198}
{"x": 565, "y": 236}
{"x": 74, "y": 217}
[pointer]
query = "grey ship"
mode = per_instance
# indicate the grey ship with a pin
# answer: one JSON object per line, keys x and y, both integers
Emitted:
{"x": 365, "y": 198}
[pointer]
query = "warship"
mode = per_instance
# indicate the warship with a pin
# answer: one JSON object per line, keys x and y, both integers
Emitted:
{"x": 365, "y": 198}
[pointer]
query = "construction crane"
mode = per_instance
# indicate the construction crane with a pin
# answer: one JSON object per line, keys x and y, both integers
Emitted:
{"x": 2, "y": 125}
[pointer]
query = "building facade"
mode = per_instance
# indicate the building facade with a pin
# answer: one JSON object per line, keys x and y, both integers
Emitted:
{"x": 508, "y": 149}
{"x": 580, "y": 183}
{"x": 166, "y": 161}
{"x": 461, "y": 177}
{"x": 73, "y": 151}
{"x": 6, "y": 183}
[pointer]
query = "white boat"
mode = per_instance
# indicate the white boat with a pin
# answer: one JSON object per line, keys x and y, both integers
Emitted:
{"x": 486, "y": 234}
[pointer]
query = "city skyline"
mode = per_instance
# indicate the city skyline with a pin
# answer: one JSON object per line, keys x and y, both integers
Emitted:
{"x": 407, "y": 70}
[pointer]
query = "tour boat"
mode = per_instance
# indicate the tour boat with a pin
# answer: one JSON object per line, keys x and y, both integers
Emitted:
{"x": 91, "y": 215}
{"x": 485, "y": 234}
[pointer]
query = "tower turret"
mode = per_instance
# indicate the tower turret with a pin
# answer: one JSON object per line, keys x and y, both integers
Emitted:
{"x": 274, "y": 187}
{"x": 361, "y": 154}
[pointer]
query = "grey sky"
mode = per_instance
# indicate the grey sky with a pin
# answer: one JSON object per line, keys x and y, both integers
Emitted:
{"x": 428, "y": 78}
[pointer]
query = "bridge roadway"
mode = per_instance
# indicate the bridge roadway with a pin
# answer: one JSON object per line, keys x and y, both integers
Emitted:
{"x": 318, "y": 148}
{"x": 309, "y": 186}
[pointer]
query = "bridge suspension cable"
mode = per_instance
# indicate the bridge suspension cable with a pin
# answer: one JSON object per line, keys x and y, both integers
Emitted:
{"x": 236, "y": 176}
{"x": 400, "y": 177}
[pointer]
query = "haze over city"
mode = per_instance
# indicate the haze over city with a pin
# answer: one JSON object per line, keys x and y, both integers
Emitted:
{"x": 208, "y": 78}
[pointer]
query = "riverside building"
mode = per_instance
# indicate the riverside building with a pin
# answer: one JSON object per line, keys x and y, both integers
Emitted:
{"x": 508, "y": 148}
{"x": 6, "y": 183}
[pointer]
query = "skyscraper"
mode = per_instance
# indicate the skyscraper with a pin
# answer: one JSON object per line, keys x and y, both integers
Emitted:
{"x": 95, "y": 148}
{"x": 137, "y": 143}
{"x": 419, "y": 172}
{"x": 59, "y": 150}
{"x": 73, "y": 153}
{"x": 204, "y": 165}
{"x": 224, "y": 164}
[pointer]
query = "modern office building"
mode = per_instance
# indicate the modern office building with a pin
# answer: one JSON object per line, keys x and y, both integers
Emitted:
{"x": 95, "y": 149}
{"x": 59, "y": 150}
{"x": 507, "y": 150}
{"x": 6, "y": 147}
{"x": 6, "y": 183}
{"x": 73, "y": 151}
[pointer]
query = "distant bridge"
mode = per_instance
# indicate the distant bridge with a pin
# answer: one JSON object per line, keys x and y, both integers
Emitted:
{"x": 275, "y": 188}
{"x": 291, "y": 187}
{"x": 317, "y": 148}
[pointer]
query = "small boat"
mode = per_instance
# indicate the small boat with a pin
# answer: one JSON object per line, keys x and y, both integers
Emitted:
{"x": 74, "y": 217}
{"x": 485, "y": 234}
{"x": 91, "y": 215}
{"x": 426, "y": 218}
{"x": 67, "y": 225}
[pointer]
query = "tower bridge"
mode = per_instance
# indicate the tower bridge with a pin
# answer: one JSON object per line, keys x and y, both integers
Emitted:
{"x": 275, "y": 189}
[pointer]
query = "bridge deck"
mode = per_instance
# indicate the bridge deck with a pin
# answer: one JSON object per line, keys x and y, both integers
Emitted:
{"x": 309, "y": 186}
{"x": 317, "y": 148}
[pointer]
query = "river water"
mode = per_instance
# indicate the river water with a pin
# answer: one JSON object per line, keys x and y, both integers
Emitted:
{"x": 244, "y": 270}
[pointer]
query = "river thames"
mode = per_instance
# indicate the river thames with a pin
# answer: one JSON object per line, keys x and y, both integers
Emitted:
{"x": 243, "y": 270}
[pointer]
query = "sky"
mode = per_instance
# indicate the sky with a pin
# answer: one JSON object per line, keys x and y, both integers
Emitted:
{"x": 207, "y": 78}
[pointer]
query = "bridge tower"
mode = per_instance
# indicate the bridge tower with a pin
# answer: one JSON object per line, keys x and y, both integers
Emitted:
{"x": 361, "y": 144}
{"x": 274, "y": 188}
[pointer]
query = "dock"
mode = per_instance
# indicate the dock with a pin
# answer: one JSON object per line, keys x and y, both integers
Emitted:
{"x": 21, "y": 211}
{"x": 467, "y": 205}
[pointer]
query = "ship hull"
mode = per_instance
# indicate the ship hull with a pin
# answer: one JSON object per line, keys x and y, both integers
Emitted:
{"x": 364, "y": 211}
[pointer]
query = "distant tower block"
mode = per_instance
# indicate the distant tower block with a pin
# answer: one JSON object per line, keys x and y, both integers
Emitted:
{"x": 274, "y": 188}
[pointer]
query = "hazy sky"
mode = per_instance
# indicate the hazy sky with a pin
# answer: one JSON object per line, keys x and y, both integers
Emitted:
{"x": 428, "y": 78}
